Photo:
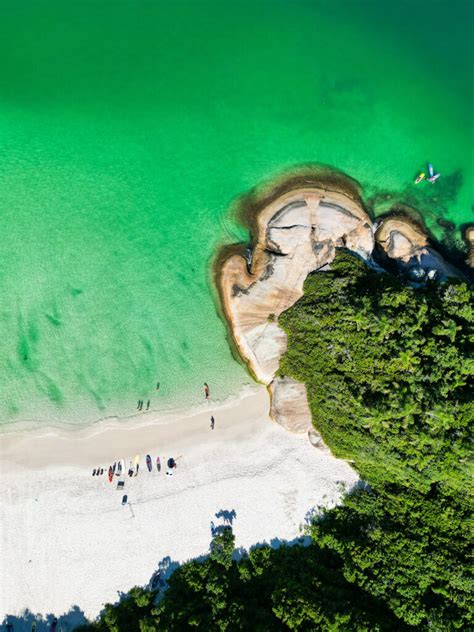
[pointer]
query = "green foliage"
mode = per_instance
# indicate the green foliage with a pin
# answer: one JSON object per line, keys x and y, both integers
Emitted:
{"x": 289, "y": 588}
{"x": 132, "y": 614}
{"x": 222, "y": 546}
{"x": 389, "y": 372}
{"x": 389, "y": 376}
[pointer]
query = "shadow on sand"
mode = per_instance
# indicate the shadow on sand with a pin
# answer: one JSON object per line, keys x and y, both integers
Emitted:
{"x": 44, "y": 623}
{"x": 158, "y": 581}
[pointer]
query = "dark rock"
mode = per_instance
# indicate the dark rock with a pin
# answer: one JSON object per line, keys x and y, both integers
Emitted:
{"x": 446, "y": 224}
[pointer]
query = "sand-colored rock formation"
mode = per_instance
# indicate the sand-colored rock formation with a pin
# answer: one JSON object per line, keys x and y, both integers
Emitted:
{"x": 401, "y": 239}
{"x": 297, "y": 233}
{"x": 404, "y": 240}
{"x": 289, "y": 405}
{"x": 469, "y": 234}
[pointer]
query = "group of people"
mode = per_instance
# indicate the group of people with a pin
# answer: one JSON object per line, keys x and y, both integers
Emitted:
{"x": 118, "y": 470}
{"x": 141, "y": 402}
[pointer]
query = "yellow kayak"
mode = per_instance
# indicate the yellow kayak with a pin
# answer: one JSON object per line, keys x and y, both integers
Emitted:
{"x": 420, "y": 178}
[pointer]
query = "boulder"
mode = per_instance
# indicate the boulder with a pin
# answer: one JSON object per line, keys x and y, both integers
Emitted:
{"x": 289, "y": 404}
{"x": 297, "y": 234}
{"x": 469, "y": 234}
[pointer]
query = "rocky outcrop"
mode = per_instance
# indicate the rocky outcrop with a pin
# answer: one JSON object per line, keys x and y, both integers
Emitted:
{"x": 289, "y": 404}
{"x": 297, "y": 233}
{"x": 401, "y": 239}
{"x": 297, "y": 228}
{"x": 316, "y": 440}
{"x": 469, "y": 234}
{"x": 405, "y": 241}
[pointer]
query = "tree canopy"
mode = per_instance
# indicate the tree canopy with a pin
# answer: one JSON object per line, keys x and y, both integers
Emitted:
{"x": 288, "y": 588}
{"x": 388, "y": 370}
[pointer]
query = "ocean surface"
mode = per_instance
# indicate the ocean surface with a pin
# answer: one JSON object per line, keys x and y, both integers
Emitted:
{"x": 128, "y": 128}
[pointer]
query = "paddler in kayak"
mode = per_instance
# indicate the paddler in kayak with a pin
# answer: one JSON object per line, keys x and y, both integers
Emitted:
{"x": 421, "y": 177}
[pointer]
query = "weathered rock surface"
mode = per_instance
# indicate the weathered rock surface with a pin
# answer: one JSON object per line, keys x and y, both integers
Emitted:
{"x": 316, "y": 440}
{"x": 405, "y": 241}
{"x": 289, "y": 405}
{"x": 297, "y": 234}
{"x": 470, "y": 239}
{"x": 401, "y": 239}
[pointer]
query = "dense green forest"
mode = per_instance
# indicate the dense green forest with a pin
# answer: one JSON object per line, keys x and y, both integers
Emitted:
{"x": 290, "y": 588}
{"x": 388, "y": 372}
{"x": 389, "y": 380}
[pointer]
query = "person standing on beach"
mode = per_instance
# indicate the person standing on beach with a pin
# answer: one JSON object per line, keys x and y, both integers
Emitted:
{"x": 212, "y": 422}
{"x": 148, "y": 405}
{"x": 206, "y": 390}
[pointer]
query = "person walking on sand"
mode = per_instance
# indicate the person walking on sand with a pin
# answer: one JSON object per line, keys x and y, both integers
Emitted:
{"x": 212, "y": 422}
{"x": 206, "y": 390}
{"x": 148, "y": 405}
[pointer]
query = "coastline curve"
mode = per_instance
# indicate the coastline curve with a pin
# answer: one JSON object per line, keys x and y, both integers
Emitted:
{"x": 295, "y": 231}
{"x": 296, "y": 226}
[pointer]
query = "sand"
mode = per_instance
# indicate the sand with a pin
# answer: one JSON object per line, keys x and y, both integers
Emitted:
{"x": 67, "y": 541}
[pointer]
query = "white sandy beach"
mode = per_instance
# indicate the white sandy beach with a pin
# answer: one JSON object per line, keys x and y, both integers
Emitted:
{"x": 67, "y": 541}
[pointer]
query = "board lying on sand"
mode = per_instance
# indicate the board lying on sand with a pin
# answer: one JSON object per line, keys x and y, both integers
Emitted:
{"x": 158, "y": 464}
{"x": 149, "y": 463}
{"x": 111, "y": 474}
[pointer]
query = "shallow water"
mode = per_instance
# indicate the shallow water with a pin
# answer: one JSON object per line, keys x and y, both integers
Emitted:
{"x": 128, "y": 128}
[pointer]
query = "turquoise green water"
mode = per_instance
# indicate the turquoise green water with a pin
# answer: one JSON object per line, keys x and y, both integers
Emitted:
{"x": 127, "y": 128}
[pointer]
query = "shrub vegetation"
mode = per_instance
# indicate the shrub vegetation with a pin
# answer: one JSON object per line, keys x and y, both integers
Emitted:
{"x": 389, "y": 376}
